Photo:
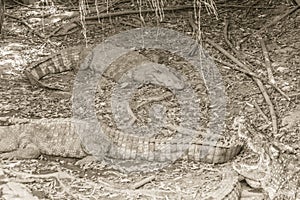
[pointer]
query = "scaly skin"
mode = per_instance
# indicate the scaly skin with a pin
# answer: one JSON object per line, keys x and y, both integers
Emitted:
{"x": 65, "y": 142}
{"x": 228, "y": 189}
{"x": 58, "y": 137}
{"x": 269, "y": 173}
{"x": 64, "y": 60}
{"x": 71, "y": 58}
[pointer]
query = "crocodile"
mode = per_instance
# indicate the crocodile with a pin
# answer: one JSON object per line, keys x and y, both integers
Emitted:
{"x": 64, "y": 60}
{"x": 270, "y": 172}
{"x": 70, "y": 59}
{"x": 273, "y": 176}
{"x": 228, "y": 189}
{"x": 58, "y": 137}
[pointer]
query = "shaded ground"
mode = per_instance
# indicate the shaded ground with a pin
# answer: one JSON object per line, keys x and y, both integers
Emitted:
{"x": 20, "y": 46}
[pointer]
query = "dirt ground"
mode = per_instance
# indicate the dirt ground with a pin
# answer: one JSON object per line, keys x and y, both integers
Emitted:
{"x": 30, "y": 36}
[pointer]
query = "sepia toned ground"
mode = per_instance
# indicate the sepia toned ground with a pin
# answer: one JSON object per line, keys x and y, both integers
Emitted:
{"x": 246, "y": 24}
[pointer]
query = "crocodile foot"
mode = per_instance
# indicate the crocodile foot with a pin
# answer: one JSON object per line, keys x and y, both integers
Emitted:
{"x": 86, "y": 162}
{"x": 251, "y": 175}
{"x": 31, "y": 151}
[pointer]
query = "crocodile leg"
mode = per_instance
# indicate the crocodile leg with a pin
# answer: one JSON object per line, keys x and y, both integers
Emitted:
{"x": 28, "y": 152}
{"x": 86, "y": 161}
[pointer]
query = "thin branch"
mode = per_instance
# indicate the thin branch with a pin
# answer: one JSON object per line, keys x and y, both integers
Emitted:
{"x": 268, "y": 25}
{"x": 154, "y": 99}
{"x": 243, "y": 6}
{"x": 260, "y": 111}
{"x": 122, "y": 13}
{"x": 252, "y": 6}
{"x": 267, "y": 60}
{"x": 225, "y": 32}
{"x": 277, "y": 19}
{"x": 143, "y": 182}
{"x": 294, "y": 95}
{"x": 271, "y": 106}
{"x": 257, "y": 81}
{"x": 249, "y": 73}
{"x": 27, "y": 25}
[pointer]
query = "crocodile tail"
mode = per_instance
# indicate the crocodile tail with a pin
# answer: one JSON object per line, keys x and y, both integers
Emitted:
{"x": 34, "y": 81}
{"x": 64, "y": 60}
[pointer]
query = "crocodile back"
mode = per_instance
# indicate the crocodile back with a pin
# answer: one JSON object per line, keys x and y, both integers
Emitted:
{"x": 127, "y": 146}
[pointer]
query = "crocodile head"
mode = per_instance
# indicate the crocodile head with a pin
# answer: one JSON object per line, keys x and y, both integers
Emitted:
{"x": 159, "y": 75}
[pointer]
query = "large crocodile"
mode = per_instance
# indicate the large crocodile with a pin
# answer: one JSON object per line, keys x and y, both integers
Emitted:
{"x": 58, "y": 137}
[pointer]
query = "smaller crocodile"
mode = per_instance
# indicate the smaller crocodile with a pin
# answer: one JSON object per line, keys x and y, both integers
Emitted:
{"x": 70, "y": 59}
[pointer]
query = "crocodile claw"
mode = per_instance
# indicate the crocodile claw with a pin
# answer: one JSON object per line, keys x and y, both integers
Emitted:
{"x": 86, "y": 162}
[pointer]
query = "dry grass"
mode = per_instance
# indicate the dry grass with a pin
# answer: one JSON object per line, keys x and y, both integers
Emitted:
{"x": 158, "y": 6}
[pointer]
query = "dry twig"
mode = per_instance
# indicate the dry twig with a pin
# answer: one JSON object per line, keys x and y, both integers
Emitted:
{"x": 251, "y": 7}
{"x": 244, "y": 6}
{"x": 225, "y": 32}
{"x": 260, "y": 111}
{"x": 143, "y": 182}
{"x": 27, "y": 25}
{"x": 273, "y": 22}
{"x": 267, "y": 60}
{"x": 294, "y": 95}
{"x": 75, "y": 22}
{"x": 154, "y": 99}
{"x": 249, "y": 73}
{"x": 277, "y": 19}
{"x": 257, "y": 81}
